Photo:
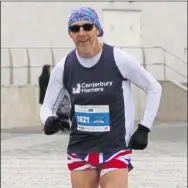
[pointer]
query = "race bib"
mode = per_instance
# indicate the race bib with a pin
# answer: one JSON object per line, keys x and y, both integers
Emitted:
{"x": 92, "y": 118}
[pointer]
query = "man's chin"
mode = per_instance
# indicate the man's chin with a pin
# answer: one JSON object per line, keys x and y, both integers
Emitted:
{"x": 84, "y": 49}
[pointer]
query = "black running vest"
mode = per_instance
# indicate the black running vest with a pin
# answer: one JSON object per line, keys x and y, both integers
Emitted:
{"x": 97, "y": 112}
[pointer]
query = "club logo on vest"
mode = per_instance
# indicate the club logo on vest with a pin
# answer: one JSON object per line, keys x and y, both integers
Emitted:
{"x": 91, "y": 87}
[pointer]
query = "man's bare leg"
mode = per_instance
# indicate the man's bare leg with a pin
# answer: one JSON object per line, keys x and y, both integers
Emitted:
{"x": 85, "y": 179}
{"x": 115, "y": 179}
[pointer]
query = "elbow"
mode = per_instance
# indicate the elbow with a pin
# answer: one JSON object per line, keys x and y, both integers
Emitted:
{"x": 158, "y": 87}
{"x": 155, "y": 88}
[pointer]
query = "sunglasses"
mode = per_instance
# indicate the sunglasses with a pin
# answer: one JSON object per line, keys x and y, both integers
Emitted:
{"x": 76, "y": 28}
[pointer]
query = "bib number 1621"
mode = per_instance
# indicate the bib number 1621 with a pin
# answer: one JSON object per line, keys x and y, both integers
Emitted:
{"x": 83, "y": 119}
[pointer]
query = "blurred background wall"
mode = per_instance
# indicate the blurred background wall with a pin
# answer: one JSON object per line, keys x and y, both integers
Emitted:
{"x": 35, "y": 33}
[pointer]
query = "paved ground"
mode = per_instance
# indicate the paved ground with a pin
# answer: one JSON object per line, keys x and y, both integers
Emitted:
{"x": 30, "y": 159}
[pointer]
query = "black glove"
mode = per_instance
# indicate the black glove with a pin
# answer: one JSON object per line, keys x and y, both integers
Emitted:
{"x": 65, "y": 122}
{"x": 65, "y": 125}
{"x": 139, "y": 139}
{"x": 52, "y": 125}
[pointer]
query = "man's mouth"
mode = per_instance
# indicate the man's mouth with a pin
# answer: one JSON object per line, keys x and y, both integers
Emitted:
{"x": 83, "y": 41}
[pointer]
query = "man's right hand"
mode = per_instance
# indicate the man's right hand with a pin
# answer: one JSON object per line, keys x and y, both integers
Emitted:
{"x": 52, "y": 125}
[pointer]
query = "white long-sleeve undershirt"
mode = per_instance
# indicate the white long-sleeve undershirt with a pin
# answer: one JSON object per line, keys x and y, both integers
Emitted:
{"x": 130, "y": 69}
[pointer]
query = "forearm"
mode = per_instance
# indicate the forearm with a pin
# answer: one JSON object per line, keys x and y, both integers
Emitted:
{"x": 152, "y": 104}
{"x": 54, "y": 94}
{"x": 45, "y": 112}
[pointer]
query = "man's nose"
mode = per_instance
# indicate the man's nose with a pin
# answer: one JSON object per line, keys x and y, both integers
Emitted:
{"x": 82, "y": 32}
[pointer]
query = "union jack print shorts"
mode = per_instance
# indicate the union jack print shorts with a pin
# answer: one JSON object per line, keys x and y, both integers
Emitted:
{"x": 104, "y": 162}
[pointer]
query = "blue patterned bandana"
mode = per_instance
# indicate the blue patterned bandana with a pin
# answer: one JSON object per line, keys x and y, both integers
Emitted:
{"x": 85, "y": 13}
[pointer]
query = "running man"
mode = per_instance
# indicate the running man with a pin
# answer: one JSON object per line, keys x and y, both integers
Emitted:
{"x": 98, "y": 79}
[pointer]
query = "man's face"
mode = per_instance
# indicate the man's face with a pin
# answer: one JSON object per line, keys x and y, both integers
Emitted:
{"x": 84, "y": 37}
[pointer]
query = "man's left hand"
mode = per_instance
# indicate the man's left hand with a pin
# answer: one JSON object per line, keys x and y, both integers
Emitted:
{"x": 139, "y": 139}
